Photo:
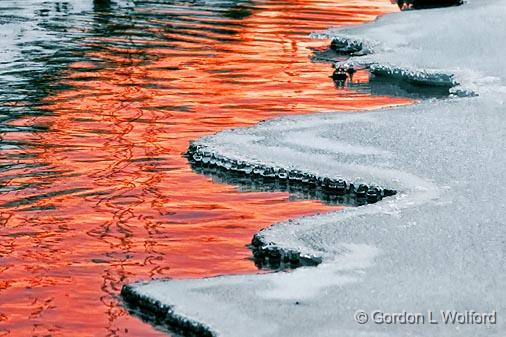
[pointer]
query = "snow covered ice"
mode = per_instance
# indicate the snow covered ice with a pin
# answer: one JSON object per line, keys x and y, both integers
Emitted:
{"x": 438, "y": 244}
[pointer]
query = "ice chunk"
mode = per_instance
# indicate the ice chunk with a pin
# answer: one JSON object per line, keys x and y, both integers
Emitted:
{"x": 463, "y": 43}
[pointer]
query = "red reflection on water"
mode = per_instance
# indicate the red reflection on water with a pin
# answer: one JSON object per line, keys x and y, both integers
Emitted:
{"x": 108, "y": 199}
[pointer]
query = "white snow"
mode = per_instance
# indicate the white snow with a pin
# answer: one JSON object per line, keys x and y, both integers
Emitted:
{"x": 439, "y": 244}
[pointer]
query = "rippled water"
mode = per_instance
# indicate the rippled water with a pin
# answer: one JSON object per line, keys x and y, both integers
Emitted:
{"x": 97, "y": 103}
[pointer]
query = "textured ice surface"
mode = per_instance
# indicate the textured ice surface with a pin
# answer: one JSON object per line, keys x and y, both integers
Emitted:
{"x": 439, "y": 244}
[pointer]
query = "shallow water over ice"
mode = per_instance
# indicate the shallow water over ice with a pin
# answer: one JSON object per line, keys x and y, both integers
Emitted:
{"x": 97, "y": 104}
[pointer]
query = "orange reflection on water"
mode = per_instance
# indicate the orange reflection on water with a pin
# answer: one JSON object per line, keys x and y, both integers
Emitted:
{"x": 102, "y": 195}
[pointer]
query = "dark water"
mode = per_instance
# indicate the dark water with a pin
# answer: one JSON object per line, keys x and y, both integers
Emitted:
{"x": 97, "y": 103}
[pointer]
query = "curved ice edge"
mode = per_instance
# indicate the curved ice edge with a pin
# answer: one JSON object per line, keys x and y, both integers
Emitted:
{"x": 422, "y": 77}
{"x": 155, "y": 311}
{"x": 264, "y": 251}
{"x": 359, "y": 48}
{"x": 267, "y": 253}
{"x": 200, "y": 154}
{"x": 273, "y": 256}
{"x": 265, "y": 184}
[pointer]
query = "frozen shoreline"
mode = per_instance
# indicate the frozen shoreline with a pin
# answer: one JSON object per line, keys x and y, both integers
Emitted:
{"x": 436, "y": 245}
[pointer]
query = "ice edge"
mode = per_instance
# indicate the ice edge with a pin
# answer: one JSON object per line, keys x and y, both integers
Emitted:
{"x": 359, "y": 48}
{"x": 156, "y": 311}
{"x": 269, "y": 253}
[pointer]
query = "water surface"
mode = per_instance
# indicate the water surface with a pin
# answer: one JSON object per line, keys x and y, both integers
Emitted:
{"x": 98, "y": 103}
